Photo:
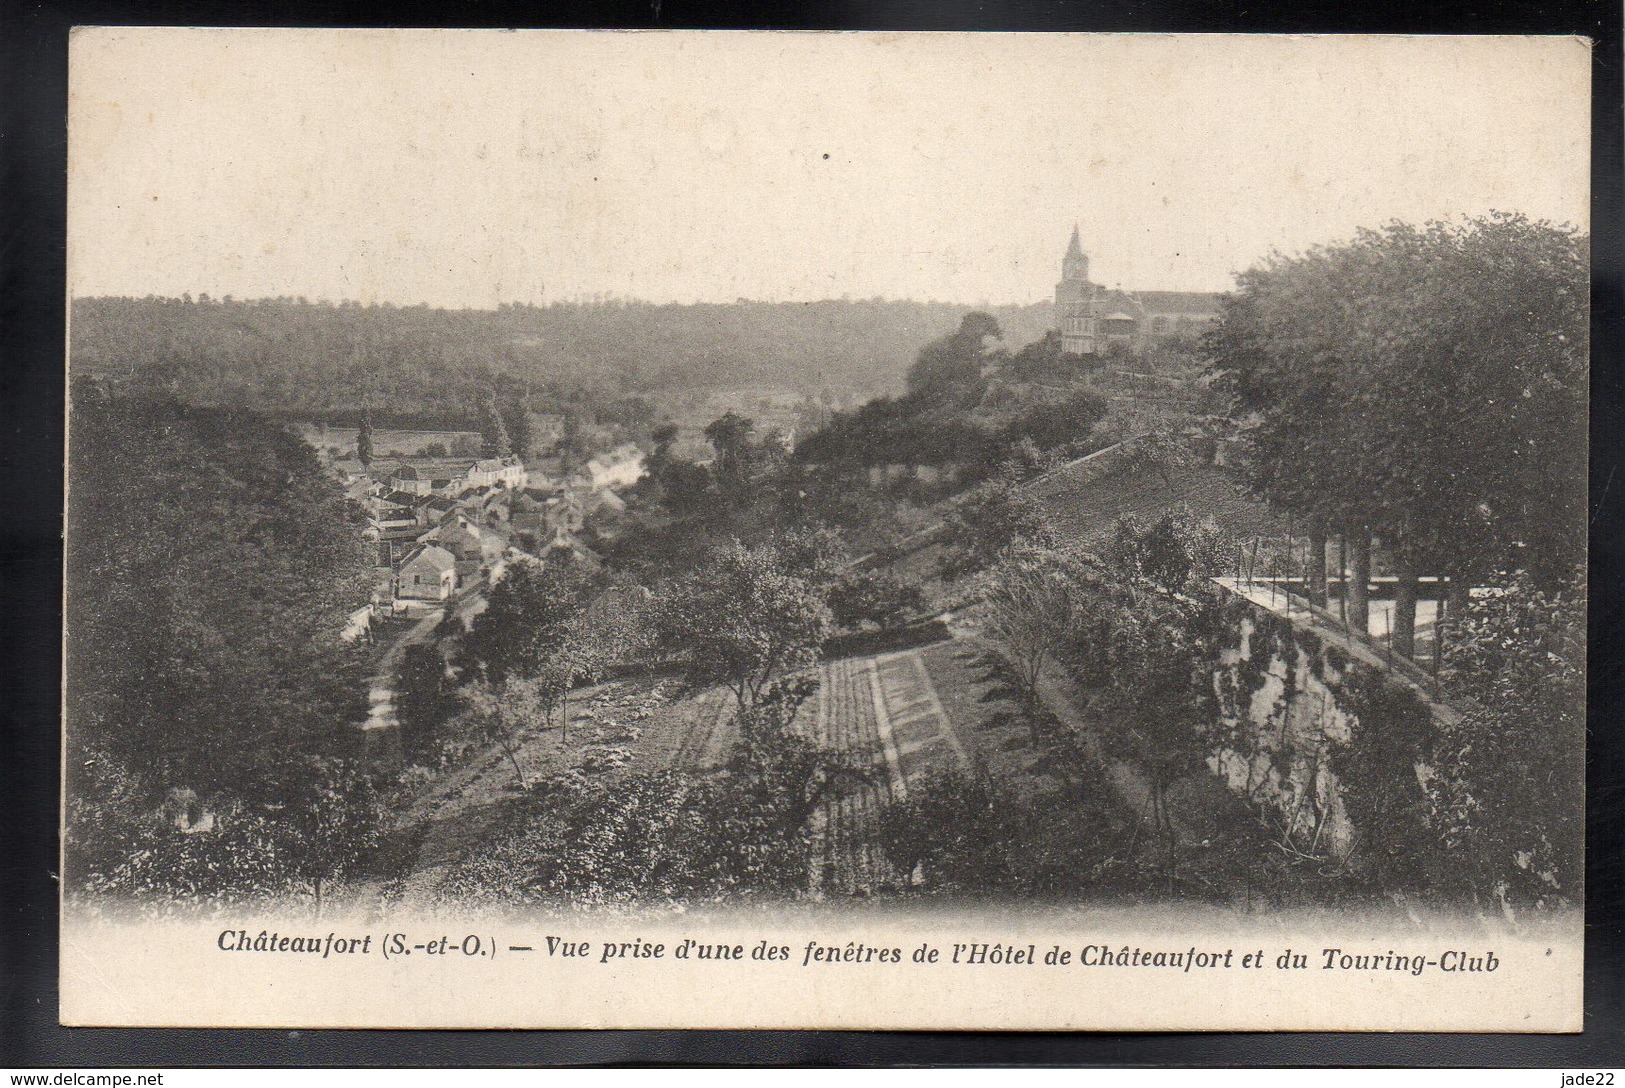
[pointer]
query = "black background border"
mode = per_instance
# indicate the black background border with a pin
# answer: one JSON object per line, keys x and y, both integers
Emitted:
{"x": 33, "y": 99}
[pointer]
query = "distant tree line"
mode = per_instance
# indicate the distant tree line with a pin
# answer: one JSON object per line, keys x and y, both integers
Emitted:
{"x": 420, "y": 366}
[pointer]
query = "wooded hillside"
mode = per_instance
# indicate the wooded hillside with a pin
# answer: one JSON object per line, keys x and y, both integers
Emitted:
{"x": 432, "y": 367}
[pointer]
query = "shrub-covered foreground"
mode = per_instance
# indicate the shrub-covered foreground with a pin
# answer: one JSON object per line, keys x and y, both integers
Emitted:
{"x": 211, "y": 753}
{"x": 977, "y": 833}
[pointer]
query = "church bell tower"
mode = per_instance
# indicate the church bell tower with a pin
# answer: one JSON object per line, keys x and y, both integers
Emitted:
{"x": 1074, "y": 297}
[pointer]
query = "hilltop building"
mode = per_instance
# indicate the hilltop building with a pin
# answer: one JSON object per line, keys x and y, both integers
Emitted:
{"x": 1091, "y": 318}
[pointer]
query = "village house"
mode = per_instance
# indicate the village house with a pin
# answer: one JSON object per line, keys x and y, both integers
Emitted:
{"x": 429, "y": 573}
{"x": 394, "y": 514}
{"x": 421, "y": 480}
{"x": 565, "y": 511}
{"x": 462, "y": 538}
{"x": 492, "y": 508}
{"x": 496, "y": 472}
{"x": 435, "y": 509}
{"x": 452, "y": 477}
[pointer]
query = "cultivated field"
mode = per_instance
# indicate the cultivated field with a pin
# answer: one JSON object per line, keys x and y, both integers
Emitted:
{"x": 385, "y": 443}
{"x": 899, "y": 716}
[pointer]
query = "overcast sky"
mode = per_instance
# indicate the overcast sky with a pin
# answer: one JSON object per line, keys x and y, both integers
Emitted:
{"x": 468, "y": 168}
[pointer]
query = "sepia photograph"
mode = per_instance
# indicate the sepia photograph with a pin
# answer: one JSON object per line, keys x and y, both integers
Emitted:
{"x": 894, "y": 530}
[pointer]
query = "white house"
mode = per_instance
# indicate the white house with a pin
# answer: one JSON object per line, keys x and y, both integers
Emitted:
{"x": 497, "y": 472}
{"x": 428, "y": 574}
{"x": 620, "y": 467}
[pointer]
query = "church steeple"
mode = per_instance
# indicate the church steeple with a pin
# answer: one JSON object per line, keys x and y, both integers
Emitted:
{"x": 1075, "y": 265}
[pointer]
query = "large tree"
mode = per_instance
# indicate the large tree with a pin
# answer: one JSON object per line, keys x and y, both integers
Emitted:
{"x": 1029, "y": 605}
{"x": 986, "y": 520}
{"x": 731, "y": 438}
{"x": 949, "y": 370}
{"x": 516, "y": 421}
{"x": 494, "y": 439}
{"x": 746, "y": 618}
{"x": 363, "y": 441}
{"x": 211, "y": 565}
{"x": 528, "y": 618}
{"x": 1144, "y": 633}
{"x": 212, "y": 710}
{"x": 1053, "y": 424}
{"x": 1423, "y": 385}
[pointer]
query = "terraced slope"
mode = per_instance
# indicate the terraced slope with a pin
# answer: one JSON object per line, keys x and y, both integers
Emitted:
{"x": 1085, "y": 507}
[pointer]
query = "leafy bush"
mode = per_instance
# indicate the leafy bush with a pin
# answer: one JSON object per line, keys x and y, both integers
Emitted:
{"x": 1058, "y": 423}
{"x": 745, "y": 618}
{"x": 423, "y": 700}
{"x": 598, "y": 759}
{"x": 980, "y": 834}
{"x": 222, "y": 853}
{"x": 988, "y": 520}
{"x": 873, "y": 597}
{"x": 1509, "y": 783}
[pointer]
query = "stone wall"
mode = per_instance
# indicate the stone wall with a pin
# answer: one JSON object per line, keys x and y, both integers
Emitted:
{"x": 1319, "y": 731}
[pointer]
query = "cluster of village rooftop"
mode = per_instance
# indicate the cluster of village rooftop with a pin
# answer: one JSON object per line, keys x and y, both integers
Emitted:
{"x": 442, "y": 524}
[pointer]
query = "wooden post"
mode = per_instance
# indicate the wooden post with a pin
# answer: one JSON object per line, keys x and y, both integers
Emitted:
{"x": 1404, "y": 626}
{"x": 1441, "y": 617}
{"x": 1357, "y": 584}
{"x": 1316, "y": 587}
{"x": 1291, "y": 561}
{"x": 1343, "y": 578}
{"x": 1460, "y": 588}
{"x": 1452, "y": 610}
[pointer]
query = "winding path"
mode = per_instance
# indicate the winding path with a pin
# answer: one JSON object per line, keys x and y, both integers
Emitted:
{"x": 381, "y": 690}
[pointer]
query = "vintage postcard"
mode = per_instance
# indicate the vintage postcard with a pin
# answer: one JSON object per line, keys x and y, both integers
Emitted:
{"x": 801, "y": 530}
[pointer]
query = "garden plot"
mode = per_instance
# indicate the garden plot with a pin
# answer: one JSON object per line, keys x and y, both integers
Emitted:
{"x": 702, "y": 730}
{"x": 618, "y": 727}
{"x": 884, "y": 714}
